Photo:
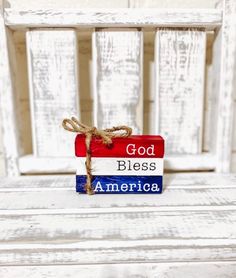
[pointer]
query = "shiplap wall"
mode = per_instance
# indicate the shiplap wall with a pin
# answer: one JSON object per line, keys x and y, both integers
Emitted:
{"x": 85, "y": 65}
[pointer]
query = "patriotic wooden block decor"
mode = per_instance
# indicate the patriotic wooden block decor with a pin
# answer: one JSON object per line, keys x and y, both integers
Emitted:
{"x": 129, "y": 165}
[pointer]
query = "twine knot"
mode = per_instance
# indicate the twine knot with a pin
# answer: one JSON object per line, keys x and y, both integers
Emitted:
{"x": 106, "y": 135}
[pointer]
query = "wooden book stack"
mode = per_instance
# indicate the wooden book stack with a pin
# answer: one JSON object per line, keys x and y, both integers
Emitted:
{"x": 129, "y": 165}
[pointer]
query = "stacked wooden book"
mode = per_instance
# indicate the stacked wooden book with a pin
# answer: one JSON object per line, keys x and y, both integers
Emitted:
{"x": 129, "y": 165}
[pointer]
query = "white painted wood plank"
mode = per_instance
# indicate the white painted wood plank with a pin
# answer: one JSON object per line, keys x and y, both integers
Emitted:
{"x": 44, "y": 4}
{"x": 66, "y": 198}
{"x": 234, "y": 162}
{"x": 115, "y": 251}
{"x": 118, "y": 96}
{"x": 194, "y": 162}
{"x": 201, "y": 180}
{"x": 209, "y": 18}
{"x": 20, "y": 226}
{"x": 129, "y": 270}
{"x": 30, "y": 164}
{"x": 180, "y": 62}
{"x": 52, "y": 63}
{"x": 8, "y": 105}
{"x": 234, "y": 127}
{"x": 226, "y": 87}
{"x": 193, "y": 4}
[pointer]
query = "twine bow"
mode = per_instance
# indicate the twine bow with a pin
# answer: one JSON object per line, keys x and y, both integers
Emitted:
{"x": 106, "y": 135}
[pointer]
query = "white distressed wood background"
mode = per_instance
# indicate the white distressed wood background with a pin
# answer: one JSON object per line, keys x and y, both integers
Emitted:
{"x": 84, "y": 75}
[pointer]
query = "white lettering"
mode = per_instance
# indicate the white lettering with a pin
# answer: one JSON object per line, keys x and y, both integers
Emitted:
{"x": 124, "y": 187}
{"x": 155, "y": 187}
{"x": 150, "y": 150}
{"x": 139, "y": 186}
{"x": 146, "y": 187}
{"x": 141, "y": 150}
{"x": 112, "y": 187}
{"x": 131, "y": 186}
{"x": 131, "y": 150}
{"x": 98, "y": 187}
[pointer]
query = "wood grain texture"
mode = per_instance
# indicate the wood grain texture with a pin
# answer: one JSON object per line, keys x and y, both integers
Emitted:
{"x": 193, "y": 220}
{"x": 52, "y": 63}
{"x": 180, "y": 62}
{"x": 234, "y": 162}
{"x": 141, "y": 270}
{"x": 113, "y": 251}
{"x": 118, "y": 224}
{"x": 226, "y": 87}
{"x": 57, "y": 197}
{"x": 209, "y": 18}
{"x": 8, "y": 102}
{"x": 30, "y": 164}
{"x": 234, "y": 127}
{"x": 44, "y": 4}
{"x": 117, "y": 57}
{"x": 178, "y": 180}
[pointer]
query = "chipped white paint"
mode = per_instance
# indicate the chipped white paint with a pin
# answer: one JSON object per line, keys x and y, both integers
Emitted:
{"x": 207, "y": 18}
{"x": 121, "y": 224}
{"x": 47, "y": 194}
{"x": 226, "y": 87}
{"x": 52, "y": 63}
{"x": 183, "y": 224}
{"x": 179, "y": 180}
{"x": 117, "y": 251}
{"x": 194, "y": 162}
{"x": 234, "y": 162}
{"x": 30, "y": 164}
{"x": 130, "y": 270}
{"x": 117, "y": 57}
{"x": 8, "y": 101}
{"x": 180, "y": 61}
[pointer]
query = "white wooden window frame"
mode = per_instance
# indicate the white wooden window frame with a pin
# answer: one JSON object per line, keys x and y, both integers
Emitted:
{"x": 219, "y": 20}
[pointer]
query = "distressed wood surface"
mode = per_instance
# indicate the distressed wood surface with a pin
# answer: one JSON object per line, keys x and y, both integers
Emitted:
{"x": 52, "y": 63}
{"x": 113, "y": 251}
{"x": 226, "y": 87}
{"x": 177, "y": 180}
{"x": 119, "y": 224}
{"x": 234, "y": 162}
{"x": 209, "y": 18}
{"x": 63, "y": 198}
{"x": 180, "y": 62}
{"x": 141, "y": 270}
{"x": 30, "y": 164}
{"x": 117, "y": 57}
{"x": 8, "y": 107}
{"x": 58, "y": 193}
{"x": 48, "y": 223}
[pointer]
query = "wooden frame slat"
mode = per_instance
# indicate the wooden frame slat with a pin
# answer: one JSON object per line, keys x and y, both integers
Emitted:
{"x": 180, "y": 67}
{"x": 8, "y": 103}
{"x": 224, "y": 269}
{"x": 52, "y": 66}
{"x": 117, "y": 67}
{"x": 208, "y": 18}
{"x": 226, "y": 70}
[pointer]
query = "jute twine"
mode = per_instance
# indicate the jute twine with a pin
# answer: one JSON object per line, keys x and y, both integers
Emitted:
{"x": 106, "y": 135}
